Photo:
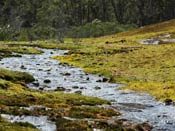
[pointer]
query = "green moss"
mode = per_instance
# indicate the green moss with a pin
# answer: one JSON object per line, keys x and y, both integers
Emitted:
{"x": 18, "y": 49}
{"x": 48, "y": 99}
{"x": 15, "y": 76}
{"x": 95, "y": 112}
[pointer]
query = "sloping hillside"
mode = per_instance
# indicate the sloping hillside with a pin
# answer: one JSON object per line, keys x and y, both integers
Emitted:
{"x": 123, "y": 59}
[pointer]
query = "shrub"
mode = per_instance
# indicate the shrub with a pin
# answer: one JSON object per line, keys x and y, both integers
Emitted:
{"x": 98, "y": 28}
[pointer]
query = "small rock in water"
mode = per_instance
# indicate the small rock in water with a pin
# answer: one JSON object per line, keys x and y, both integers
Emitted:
{"x": 66, "y": 53}
{"x": 41, "y": 89}
{"x": 60, "y": 89}
{"x": 47, "y": 81}
{"x": 82, "y": 88}
{"x": 66, "y": 74}
{"x": 105, "y": 79}
{"x": 23, "y": 67}
{"x": 168, "y": 102}
{"x": 49, "y": 70}
{"x": 36, "y": 84}
{"x": 99, "y": 81}
{"x": 75, "y": 87}
{"x": 97, "y": 88}
{"x": 87, "y": 78}
{"x": 68, "y": 90}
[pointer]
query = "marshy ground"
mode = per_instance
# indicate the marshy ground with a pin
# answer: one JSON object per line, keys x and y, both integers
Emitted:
{"x": 120, "y": 58}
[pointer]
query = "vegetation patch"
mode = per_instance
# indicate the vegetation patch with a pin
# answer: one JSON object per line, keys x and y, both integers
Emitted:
{"x": 6, "y": 126}
{"x": 147, "y": 68}
{"x": 8, "y": 50}
{"x": 98, "y": 28}
{"x": 15, "y": 76}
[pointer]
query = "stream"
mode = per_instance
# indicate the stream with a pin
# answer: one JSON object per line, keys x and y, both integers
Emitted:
{"x": 137, "y": 107}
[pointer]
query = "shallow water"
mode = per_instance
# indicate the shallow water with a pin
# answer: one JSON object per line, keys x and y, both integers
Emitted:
{"x": 138, "y": 107}
{"x": 40, "y": 122}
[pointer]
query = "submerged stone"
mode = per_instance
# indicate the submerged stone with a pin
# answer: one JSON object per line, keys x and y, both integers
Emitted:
{"x": 47, "y": 81}
{"x": 23, "y": 67}
{"x": 36, "y": 84}
{"x": 75, "y": 87}
{"x": 168, "y": 102}
{"x": 60, "y": 89}
{"x": 97, "y": 88}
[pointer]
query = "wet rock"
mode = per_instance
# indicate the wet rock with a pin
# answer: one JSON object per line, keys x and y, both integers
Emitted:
{"x": 104, "y": 79}
{"x": 66, "y": 74}
{"x": 82, "y": 88}
{"x": 60, "y": 89}
{"x": 51, "y": 52}
{"x": 36, "y": 84}
{"x": 97, "y": 88}
{"x": 99, "y": 81}
{"x": 41, "y": 89}
{"x": 75, "y": 87}
{"x": 23, "y": 67}
{"x": 87, "y": 78}
{"x": 63, "y": 64}
{"x": 47, "y": 81}
{"x": 17, "y": 55}
{"x": 40, "y": 69}
{"x": 49, "y": 69}
{"x": 68, "y": 90}
{"x": 78, "y": 92}
{"x": 66, "y": 53}
{"x": 37, "y": 64}
{"x": 168, "y": 102}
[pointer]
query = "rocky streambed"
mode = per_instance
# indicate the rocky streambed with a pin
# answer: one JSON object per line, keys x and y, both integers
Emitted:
{"x": 52, "y": 75}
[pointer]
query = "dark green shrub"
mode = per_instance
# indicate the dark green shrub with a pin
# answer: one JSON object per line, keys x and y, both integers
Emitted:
{"x": 98, "y": 28}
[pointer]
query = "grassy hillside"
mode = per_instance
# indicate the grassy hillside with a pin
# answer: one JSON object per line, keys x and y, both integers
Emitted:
{"x": 120, "y": 57}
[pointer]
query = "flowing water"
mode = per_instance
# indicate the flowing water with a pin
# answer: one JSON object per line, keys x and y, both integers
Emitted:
{"x": 39, "y": 122}
{"x": 137, "y": 107}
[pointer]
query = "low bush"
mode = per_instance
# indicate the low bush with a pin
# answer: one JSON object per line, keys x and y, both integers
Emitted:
{"x": 98, "y": 28}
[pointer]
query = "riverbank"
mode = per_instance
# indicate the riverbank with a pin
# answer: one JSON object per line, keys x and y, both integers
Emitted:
{"x": 68, "y": 111}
